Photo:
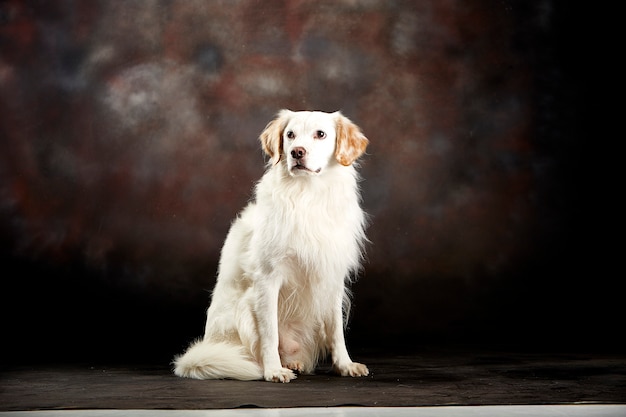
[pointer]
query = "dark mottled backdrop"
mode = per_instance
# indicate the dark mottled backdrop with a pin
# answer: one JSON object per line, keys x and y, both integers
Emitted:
{"x": 128, "y": 140}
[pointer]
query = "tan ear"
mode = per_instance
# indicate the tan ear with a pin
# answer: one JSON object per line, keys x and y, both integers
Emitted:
{"x": 351, "y": 142}
{"x": 272, "y": 136}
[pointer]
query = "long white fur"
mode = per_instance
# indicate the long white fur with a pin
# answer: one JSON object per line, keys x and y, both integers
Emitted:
{"x": 281, "y": 297}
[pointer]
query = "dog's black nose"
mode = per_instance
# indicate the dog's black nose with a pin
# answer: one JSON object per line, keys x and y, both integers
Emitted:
{"x": 298, "y": 152}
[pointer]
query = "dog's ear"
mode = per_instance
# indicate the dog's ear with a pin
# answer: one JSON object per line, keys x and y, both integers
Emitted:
{"x": 272, "y": 136}
{"x": 351, "y": 142}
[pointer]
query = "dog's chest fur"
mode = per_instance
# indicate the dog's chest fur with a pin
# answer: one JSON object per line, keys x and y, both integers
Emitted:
{"x": 312, "y": 223}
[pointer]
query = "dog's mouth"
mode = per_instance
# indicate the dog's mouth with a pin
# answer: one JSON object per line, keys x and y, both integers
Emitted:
{"x": 300, "y": 167}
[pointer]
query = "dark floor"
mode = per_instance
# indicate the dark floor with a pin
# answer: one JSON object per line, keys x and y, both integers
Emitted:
{"x": 424, "y": 377}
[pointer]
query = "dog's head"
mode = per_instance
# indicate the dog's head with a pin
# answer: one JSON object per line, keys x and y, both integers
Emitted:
{"x": 310, "y": 141}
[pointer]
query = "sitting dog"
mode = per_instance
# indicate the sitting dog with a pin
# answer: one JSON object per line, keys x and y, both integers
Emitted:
{"x": 281, "y": 296}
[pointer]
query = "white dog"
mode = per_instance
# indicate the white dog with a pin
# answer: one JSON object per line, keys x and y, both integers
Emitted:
{"x": 281, "y": 295}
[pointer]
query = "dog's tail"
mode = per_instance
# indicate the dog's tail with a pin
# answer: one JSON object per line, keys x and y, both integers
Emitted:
{"x": 208, "y": 360}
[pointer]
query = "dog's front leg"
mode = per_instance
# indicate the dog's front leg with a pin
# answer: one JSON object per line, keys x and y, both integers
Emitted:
{"x": 266, "y": 310}
{"x": 342, "y": 363}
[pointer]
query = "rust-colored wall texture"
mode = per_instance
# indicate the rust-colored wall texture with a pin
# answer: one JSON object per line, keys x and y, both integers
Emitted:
{"x": 128, "y": 140}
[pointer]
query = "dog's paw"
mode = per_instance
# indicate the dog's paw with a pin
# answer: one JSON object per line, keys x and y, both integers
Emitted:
{"x": 295, "y": 366}
{"x": 279, "y": 375}
{"x": 352, "y": 369}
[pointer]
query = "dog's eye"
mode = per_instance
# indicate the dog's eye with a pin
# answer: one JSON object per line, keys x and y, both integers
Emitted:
{"x": 290, "y": 135}
{"x": 321, "y": 134}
